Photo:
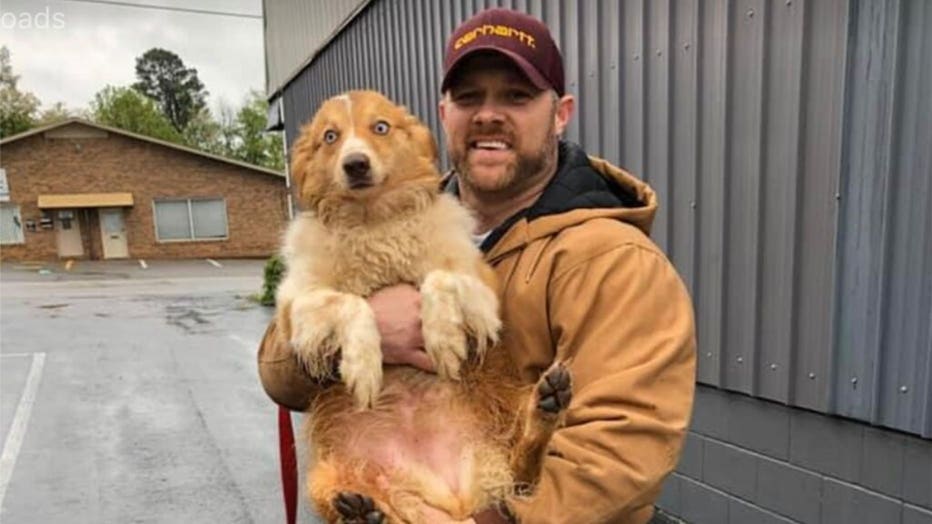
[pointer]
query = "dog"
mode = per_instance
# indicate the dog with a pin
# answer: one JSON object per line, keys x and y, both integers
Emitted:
{"x": 385, "y": 440}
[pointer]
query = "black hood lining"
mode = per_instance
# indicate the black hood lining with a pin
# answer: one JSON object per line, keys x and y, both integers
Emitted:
{"x": 576, "y": 185}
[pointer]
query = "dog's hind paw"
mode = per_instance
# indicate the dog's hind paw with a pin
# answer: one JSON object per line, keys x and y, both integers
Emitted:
{"x": 555, "y": 390}
{"x": 355, "y": 508}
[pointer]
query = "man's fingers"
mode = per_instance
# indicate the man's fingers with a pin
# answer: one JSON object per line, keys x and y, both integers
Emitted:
{"x": 419, "y": 359}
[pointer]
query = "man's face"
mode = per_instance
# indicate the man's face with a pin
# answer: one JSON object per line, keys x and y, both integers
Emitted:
{"x": 500, "y": 129}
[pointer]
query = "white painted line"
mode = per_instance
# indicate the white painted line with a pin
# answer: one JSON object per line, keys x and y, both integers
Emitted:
{"x": 214, "y": 262}
{"x": 244, "y": 342}
{"x": 14, "y": 439}
{"x": 142, "y": 264}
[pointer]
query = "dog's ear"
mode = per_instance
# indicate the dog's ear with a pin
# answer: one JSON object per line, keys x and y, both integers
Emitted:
{"x": 422, "y": 138}
{"x": 301, "y": 154}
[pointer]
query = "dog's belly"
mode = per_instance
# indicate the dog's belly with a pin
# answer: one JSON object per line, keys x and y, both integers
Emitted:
{"x": 422, "y": 429}
{"x": 439, "y": 454}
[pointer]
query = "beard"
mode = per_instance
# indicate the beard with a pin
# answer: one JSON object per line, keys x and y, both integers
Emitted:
{"x": 524, "y": 167}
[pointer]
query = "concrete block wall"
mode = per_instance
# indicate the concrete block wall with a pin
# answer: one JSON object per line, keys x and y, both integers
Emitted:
{"x": 749, "y": 461}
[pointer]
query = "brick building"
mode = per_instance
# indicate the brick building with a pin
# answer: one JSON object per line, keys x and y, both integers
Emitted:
{"x": 77, "y": 189}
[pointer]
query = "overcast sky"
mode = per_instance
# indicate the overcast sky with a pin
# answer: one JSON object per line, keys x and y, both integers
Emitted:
{"x": 84, "y": 46}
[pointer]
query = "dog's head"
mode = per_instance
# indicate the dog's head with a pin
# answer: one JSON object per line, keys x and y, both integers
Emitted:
{"x": 359, "y": 147}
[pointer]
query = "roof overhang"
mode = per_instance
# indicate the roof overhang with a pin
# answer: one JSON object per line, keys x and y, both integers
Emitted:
{"x": 85, "y": 200}
{"x": 275, "y": 119}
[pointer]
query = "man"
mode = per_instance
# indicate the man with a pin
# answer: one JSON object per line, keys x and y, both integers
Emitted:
{"x": 581, "y": 281}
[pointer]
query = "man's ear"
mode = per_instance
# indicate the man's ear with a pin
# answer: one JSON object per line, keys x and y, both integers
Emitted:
{"x": 566, "y": 105}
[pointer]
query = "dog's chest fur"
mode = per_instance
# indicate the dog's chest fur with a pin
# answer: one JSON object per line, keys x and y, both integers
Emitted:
{"x": 363, "y": 259}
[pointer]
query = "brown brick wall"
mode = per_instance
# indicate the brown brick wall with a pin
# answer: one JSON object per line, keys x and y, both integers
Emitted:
{"x": 255, "y": 202}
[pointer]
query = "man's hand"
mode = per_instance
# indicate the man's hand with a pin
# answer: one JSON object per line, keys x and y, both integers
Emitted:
{"x": 398, "y": 316}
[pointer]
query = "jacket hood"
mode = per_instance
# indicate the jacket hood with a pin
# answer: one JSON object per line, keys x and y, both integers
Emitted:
{"x": 583, "y": 188}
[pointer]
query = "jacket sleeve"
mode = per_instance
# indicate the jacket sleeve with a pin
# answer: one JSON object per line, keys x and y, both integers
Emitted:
{"x": 631, "y": 349}
{"x": 283, "y": 378}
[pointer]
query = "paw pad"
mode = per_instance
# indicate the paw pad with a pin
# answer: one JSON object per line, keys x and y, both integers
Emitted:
{"x": 357, "y": 509}
{"x": 555, "y": 390}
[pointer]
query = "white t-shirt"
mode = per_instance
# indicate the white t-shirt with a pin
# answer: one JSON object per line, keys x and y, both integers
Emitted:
{"x": 478, "y": 239}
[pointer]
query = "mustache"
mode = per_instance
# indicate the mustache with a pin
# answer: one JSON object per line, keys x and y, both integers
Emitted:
{"x": 484, "y": 131}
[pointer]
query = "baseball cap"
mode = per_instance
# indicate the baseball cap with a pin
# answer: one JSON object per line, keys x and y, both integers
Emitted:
{"x": 522, "y": 38}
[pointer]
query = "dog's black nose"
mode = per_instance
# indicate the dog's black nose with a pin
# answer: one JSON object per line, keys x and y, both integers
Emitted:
{"x": 356, "y": 165}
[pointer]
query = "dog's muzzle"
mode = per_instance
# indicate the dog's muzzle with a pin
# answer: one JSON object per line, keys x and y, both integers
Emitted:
{"x": 358, "y": 170}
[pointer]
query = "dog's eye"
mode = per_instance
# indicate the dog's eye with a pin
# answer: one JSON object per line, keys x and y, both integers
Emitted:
{"x": 330, "y": 136}
{"x": 381, "y": 127}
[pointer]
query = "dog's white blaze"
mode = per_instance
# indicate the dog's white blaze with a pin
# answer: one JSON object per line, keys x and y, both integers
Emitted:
{"x": 354, "y": 144}
{"x": 349, "y": 110}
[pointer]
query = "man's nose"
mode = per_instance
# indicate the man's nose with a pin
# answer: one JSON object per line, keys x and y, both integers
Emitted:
{"x": 487, "y": 113}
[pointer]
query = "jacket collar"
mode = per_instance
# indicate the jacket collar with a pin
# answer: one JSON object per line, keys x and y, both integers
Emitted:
{"x": 582, "y": 189}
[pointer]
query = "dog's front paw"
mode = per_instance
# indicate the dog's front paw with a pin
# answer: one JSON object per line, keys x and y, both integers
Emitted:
{"x": 446, "y": 346}
{"x": 314, "y": 335}
{"x": 442, "y": 324}
{"x": 361, "y": 361}
{"x": 480, "y": 313}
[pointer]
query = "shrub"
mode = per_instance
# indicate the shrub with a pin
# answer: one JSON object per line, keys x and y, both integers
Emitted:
{"x": 272, "y": 276}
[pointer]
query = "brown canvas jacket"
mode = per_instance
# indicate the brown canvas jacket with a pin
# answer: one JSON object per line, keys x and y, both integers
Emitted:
{"x": 584, "y": 284}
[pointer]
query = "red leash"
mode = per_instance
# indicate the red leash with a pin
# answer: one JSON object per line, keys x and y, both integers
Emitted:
{"x": 289, "y": 463}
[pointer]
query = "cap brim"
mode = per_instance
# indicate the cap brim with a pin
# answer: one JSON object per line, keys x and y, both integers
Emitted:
{"x": 532, "y": 74}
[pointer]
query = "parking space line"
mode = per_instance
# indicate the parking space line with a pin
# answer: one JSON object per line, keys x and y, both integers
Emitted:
{"x": 244, "y": 342}
{"x": 14, "y": 440}
{"x": 214, "y": 263}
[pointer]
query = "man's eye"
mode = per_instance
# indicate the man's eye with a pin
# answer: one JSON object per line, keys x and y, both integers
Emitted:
{"x": 519, "y": 96}
{"x": 330, "y": 136}
{"x": 465, "y": 97}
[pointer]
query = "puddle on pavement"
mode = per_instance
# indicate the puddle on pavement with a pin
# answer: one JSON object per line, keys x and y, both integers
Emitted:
{"x": 196, "y": 315}
{"x": 53, "y": 306}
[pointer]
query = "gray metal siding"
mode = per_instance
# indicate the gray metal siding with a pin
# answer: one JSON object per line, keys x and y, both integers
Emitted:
{"x": 295, "y": 30}
{"x": 789, "y": 142}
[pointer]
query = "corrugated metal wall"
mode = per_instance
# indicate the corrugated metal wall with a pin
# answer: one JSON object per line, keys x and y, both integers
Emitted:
{"x": 790, "y": 143}
{"x": 295, "y": 29}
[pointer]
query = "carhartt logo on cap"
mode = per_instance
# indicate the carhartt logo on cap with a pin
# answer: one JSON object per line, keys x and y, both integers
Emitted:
{"x": 520, "y": 37}
{"x": 495, "y": 30}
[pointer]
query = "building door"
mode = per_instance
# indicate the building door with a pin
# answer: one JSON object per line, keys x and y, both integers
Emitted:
{"x": 113, "y": 233}
{"x": 68, "y": 232}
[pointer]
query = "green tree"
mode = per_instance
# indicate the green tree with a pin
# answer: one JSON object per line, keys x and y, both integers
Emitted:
{"x": 176, "y": 89}
{"x": 17, "y": 109}
{"x": 203, "y": 132}
{"x": 228, "y": 139}
{"x": 254, "y": 144}
{"x": 125, "y": 108}
{"x": 54, "y": 114}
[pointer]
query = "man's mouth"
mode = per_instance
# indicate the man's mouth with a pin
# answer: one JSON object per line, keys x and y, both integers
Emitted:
{"x": 490, "y": 145}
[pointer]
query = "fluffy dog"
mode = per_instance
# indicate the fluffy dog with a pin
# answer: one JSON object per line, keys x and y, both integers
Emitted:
{"x": 386, "y": 439}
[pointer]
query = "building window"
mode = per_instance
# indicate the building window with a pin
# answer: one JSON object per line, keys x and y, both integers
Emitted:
{"x": 11, "y": 224}
{"x": 190, "y": 219}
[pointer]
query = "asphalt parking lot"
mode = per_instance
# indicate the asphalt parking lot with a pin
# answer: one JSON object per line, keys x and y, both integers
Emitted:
{"x": 130, "y": 394}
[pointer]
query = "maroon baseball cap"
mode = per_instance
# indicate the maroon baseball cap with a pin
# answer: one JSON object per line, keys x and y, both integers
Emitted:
{"x": 522, "y": 38}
